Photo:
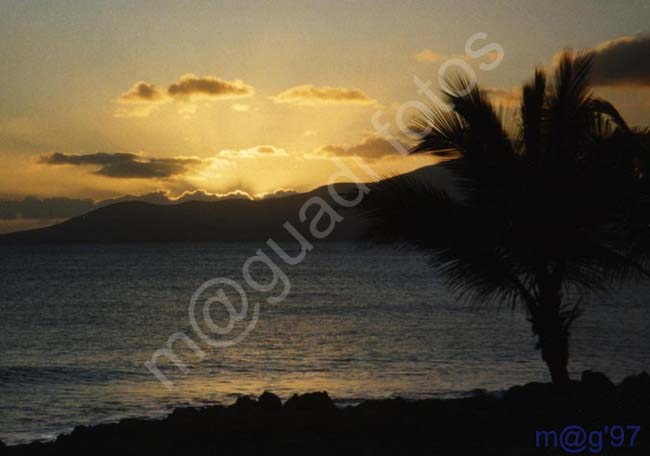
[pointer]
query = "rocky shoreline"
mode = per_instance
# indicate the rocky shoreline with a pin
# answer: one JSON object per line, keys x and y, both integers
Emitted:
{"x": 310, "y": 424}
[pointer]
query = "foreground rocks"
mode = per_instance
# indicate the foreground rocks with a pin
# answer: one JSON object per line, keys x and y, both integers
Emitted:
{"x": 310, "y": 424}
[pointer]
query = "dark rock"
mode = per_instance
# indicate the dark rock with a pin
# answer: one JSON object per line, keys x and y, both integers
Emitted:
{"x": 310, "y": 402}
{"x": 635, "y": 388}
{"x": 532, "y": 395}
{"x": 478, "y": 392}
{"x": 185, "y": 412}
{"x": 378, "y": 407}
{"x": 79, "y": 430}
{"x": 269, "y": 402}
{"x": 311, "y": 424}
{"x": 381, "y": 403}
{"x": 596, "y": 387}
{"x": 245, "y": 403}
{"x": 597, "y": 380}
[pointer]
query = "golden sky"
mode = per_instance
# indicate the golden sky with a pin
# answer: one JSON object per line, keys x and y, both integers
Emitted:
{"x": 102, "y": 99}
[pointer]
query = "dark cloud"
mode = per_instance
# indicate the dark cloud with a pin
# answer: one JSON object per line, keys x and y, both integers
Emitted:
{"x": 144, "y": 98}
{"x": 268, "y": 150}
{"x": 624, "y": 61}
{"x": 125, "y": 165}
{"x": 371, "y": 147}
{"x": 142, "y": 92}
{"x": 190, "y": 85}
{"x": 48, "y": 208}
{"x": 22, "y": 224}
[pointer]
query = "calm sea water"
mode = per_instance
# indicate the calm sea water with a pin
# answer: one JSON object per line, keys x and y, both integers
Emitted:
{"x": 77, "y": 324}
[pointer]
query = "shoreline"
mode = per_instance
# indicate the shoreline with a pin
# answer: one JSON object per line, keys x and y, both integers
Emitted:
{"x": 166, "y": 411}
{"x": 312, "y": 423}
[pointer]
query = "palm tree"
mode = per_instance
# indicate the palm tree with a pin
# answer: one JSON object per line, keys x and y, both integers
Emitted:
{"x": 554, "y": 205}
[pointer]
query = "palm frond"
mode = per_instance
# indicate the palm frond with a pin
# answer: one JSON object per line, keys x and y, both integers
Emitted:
{"x": 445, "y": 131}
{"x": 604, "y": 108}
{"x": 571, "y": 80}
{"x": 407, "y": 210}
{"x": 532, "y": 111}
{"x": 474, "y": 127}
{"x": 567, "y": 111}
{"x": 642, "y": 152}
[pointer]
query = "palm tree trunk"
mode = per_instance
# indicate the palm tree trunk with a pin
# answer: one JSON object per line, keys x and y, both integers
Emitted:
{"x": 555, "y": 353}
{"x": 553, "y": 334}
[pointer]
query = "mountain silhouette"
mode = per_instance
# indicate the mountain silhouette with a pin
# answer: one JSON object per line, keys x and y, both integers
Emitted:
{"x": 194, "y": 221}
{"x": 201, "y": 221}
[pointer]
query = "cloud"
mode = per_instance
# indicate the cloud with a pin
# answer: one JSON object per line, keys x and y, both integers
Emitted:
{"x": 138, "y": 110}
{"x": 163, "y": 197}
{"x": 241, "y": 107}
{"x": 144, "y": 98}
{"x": 623, "y": 61}
{"x": 427, "y": 55}
{"x": 201, "y": 195}
{"x": 125, "y": 165}
{"x": 309, "y": 95}
{"x": 508, "y": 97}
{"x": 254, "y": 152}
{"x": 142, "y": 92}
{"x": 372, "y": 147}
{"x": 278, "y": 193}
{"x": 32, "y": 212}
{"x": 140, "y": 100}
{"x": 190, "y": 86}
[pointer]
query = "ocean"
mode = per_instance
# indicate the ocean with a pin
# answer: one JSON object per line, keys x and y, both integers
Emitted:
{"x": 79, "y": 322}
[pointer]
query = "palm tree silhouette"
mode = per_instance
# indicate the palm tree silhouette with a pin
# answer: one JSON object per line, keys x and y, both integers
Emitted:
{"x": 554, "y": 205}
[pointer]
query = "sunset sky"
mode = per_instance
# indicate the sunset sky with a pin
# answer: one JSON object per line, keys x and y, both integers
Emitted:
{"x": 103, "y": 99}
